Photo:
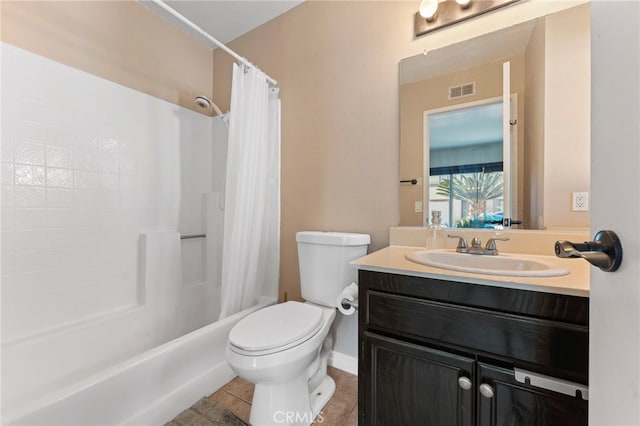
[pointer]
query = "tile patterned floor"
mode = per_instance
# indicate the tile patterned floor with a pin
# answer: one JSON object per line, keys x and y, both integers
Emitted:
{"x": 341, "y": 410}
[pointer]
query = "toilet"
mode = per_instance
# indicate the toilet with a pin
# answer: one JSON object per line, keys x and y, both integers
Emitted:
{"x": 284, "y": 348}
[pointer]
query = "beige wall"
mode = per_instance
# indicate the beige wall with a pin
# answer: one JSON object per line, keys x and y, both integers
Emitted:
{"x": 567, "y": 107}
{"x": 534, "y": 130}
{"x": 425, "y": 95}
{"x": 121, "y": 41}
{"x": 557, "y": 130}
{"x": 339, "y": 140}
{"x": 336, "y": 63}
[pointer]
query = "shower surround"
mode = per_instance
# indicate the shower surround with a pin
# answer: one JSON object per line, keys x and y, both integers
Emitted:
{"x": 98, "y": 183}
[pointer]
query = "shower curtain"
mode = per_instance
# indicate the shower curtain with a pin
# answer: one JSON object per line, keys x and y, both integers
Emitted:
{"x": 251, "y": 242}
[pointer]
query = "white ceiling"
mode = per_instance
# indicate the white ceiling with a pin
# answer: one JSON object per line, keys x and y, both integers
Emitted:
{"x": 224, "y": 20}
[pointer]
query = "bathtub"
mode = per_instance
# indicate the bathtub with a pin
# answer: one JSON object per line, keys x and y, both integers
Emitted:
{"x": 148, "y": 389}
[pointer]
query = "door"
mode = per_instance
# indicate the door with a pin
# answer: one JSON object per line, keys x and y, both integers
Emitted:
{"x": 614, "y": 349}
{"x": 510, "y": 148}
{"x": 506, "y": 137}
{"x": 414, "y": 385}
{"x": 470, "y": 160}
{"x": 503, "y": 401}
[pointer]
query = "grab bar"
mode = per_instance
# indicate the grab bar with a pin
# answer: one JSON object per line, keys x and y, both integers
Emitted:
{"x": 188, "y": 237}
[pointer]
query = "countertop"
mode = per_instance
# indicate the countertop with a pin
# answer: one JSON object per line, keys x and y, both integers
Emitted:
{"x": 392, "y": 260}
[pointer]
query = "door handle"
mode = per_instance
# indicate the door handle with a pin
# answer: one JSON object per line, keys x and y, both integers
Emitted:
{"x": 605, "y": 251}
{"x": 551, "y": 383}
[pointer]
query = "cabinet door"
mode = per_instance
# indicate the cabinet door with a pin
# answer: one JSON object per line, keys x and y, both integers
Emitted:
{"x": 406, "y": 384}
{"x": 504, "y": 401}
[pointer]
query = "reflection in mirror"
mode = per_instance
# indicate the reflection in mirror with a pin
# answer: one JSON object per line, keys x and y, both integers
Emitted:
{"x": 465, "y": 157}
{"x": 442, "y": 94}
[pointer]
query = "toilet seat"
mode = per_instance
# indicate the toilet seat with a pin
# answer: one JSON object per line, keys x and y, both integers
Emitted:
{"x": 276, "y": 328}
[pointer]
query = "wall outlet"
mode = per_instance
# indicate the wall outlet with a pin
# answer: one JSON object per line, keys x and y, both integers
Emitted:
{"x": 580, "y": 201}
{"x": 418, "y": 207}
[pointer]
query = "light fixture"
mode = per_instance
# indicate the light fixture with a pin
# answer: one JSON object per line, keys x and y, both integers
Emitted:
{"x": 428, "y": 8}
{"x": 436, "y": 14}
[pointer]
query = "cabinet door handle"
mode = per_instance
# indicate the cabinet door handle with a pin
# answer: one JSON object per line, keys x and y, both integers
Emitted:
{"x": 486, "y": 390}
{"x": 465, "y": 383}
{"x": 551, "y": 383}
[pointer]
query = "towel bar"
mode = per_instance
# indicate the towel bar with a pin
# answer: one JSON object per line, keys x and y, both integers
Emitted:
{"x": 188, "y": 237}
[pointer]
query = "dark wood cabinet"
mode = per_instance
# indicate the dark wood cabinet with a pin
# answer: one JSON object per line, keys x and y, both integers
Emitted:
{"x": 434, "y": 352}
{"x": 410, "y": 384}
{"x": 510, "y": 402}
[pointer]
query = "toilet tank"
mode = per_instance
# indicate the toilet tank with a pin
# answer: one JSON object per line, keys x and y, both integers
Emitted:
{"x": 323, "y": 259}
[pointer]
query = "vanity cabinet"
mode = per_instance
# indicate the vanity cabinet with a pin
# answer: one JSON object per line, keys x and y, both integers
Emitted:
{"x": 436, "y": 352}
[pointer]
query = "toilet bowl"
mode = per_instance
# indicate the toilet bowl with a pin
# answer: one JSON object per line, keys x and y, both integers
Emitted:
{"x": 282, "y": 370}
{"x": 284, "y": 349}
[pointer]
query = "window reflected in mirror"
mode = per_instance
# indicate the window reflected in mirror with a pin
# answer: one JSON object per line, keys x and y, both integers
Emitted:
{"x": 466, "y": 179}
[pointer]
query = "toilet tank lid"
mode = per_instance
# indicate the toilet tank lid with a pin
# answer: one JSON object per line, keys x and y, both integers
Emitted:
{"x": 333, "y": 238}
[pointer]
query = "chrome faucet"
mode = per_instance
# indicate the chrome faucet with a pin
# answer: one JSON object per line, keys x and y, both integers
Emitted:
{"x": 476, "y": 245}
{"x": 462, "y": 243}
{"x": 491, "y": 248}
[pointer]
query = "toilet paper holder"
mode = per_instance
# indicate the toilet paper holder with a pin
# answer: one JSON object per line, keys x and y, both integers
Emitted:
{"x": 346, "y": 304}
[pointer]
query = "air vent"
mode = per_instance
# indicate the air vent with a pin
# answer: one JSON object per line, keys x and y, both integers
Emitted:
{"x": 467, "y": 89}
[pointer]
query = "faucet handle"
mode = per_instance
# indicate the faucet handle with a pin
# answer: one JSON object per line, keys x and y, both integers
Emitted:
{"x": 490, "y": 248}
{"x": 462, "y": 243}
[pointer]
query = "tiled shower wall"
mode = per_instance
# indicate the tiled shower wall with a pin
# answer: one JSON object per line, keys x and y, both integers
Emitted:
{"x": 83, "y": 170}
{"x": 88, "y": 166}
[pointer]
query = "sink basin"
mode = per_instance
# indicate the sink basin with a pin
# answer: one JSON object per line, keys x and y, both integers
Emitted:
{"x": 516, "y": 265}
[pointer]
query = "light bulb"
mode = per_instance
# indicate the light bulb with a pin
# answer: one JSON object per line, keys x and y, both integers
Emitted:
{"x": 428, "y": 8}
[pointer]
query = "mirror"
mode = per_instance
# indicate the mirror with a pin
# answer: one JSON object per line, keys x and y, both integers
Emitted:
{"x": 453, "y": 124}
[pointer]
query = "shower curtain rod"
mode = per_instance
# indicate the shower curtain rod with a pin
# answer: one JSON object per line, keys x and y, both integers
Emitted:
{"x": 200, "y": 31}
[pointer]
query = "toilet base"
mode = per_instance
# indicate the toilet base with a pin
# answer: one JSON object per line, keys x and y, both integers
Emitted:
{"x": 290, "y": 403}
{"x": 320, "y": 396}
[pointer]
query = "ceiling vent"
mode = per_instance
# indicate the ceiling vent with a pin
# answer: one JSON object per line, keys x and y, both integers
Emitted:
{"x": 467, "y": 89}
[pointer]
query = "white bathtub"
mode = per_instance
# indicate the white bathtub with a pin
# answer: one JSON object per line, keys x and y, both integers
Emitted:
{"x": 148, "y": 389}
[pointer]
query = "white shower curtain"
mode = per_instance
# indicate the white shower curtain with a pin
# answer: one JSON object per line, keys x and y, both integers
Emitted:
{"x": 251, "y": 246}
